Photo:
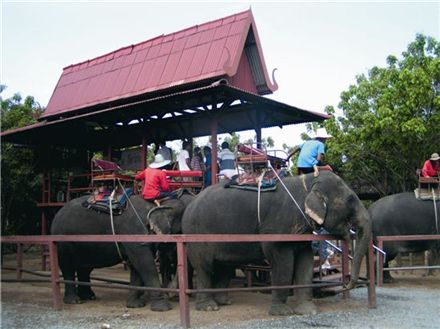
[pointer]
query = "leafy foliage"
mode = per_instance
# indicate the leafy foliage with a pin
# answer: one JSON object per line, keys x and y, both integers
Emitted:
{"x": 20, "y": 186}
{"x": 391, "y": 119}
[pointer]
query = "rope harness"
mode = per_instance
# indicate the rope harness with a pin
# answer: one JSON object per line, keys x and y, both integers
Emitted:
{"x": 306, "y": 219}
{"x": 110, "y": 200}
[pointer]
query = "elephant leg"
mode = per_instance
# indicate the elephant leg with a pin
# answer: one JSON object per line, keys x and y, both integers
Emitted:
{"x": 135, "y": 297}
{"x": 200, "y": 256}
{"x": 144, "y": 273}
{"x": 66, "y": 263}
{"x": 85, "y": 292}
{"x": 303, "y": 274}
{"x": 280, "y": 256}
{"x": 222, "y": 278}
{"x": 205, "y": 301}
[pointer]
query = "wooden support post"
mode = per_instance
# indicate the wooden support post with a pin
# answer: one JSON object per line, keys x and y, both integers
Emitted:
{"x": 345, "y": 266}
{"x": 19, "y": 261}
{"x": 258, "y": 133}
{"x": 182, "y": 268}
{"x": 109, "y": 152}
{"x": 144, "y": 152}
{"x": 379, "y": 264}
{"x": 214, "y": 131}
{"x": 43, "y": 232}
{"x": 370, "y": 276}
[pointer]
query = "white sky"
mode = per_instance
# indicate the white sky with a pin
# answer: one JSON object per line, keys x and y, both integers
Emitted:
{"x": 317, "y": 47}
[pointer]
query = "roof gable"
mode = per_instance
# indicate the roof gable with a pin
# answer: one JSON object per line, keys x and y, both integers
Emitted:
{"x": 199, "y": 53}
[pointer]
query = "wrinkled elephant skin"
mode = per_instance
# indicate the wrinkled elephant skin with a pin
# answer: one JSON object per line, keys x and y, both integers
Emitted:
{"x": 403, "y": 214}
{"x": 219, "y": 210}
{"x": 81, "y": 258}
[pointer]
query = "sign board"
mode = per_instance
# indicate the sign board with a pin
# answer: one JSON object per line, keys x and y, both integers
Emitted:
{"x": 131, "y": 159}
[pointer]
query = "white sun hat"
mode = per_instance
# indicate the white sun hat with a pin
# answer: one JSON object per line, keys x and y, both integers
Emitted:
{"x": 159, "y": 162}
{"x": 322, "y": 133}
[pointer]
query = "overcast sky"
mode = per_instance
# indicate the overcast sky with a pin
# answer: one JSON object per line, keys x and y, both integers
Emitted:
{"x": 317, "y": 47}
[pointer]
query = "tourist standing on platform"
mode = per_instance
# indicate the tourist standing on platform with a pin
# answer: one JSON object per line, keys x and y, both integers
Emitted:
{"x": 226, "y": 160}
{"x": 183, "y": 159}
{"x": 207, "y": 175}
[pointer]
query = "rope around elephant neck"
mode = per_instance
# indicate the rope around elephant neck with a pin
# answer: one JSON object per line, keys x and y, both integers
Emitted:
{"x": 134, "y": 209}
{"x": 290, "y": 195}
{"x": 110, "y": 199}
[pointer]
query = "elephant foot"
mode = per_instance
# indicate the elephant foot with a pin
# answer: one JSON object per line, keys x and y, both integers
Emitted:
{"x": 388, "y": 279}
{"x": 89, "y": 295}
{"x": 305, "y": 308}
{"x": 136, "y": 303}
{"x": 161, "y": 305}
{"x": 222, "y": 299}
{"x": 280, "y": 309}
{"x": 207, "y": 305}
{"x": 73, "y": 299}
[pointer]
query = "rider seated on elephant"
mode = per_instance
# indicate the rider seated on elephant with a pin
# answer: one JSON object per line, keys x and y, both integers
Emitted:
{"x": 155, "y": 180}
{"x": 431, "y": 167}
{"x": 310, "y": 156}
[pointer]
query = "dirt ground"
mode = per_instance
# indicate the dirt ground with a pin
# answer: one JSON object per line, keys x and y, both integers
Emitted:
{"x": 110, "y": 303}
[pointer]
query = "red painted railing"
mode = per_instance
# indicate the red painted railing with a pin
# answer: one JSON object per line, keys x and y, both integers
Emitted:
{"x": 380, "y": 257}
{"x": 181, "y": 241}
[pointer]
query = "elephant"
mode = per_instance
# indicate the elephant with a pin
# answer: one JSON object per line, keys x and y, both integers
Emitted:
{"x": 81, "y": 258}
{"x": 321, "y": 201}
{"x": 403, "y": 214}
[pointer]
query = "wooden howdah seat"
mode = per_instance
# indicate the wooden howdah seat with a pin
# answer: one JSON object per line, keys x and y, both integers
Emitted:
{"x": 427, "y": 187}
{"x": 254, "y": 158}
{"x": 104, "y": 172}
{"x": 192, "y": 179}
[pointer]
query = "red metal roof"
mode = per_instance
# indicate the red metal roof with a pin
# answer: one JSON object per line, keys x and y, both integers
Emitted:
{"x": 202, "y": 52}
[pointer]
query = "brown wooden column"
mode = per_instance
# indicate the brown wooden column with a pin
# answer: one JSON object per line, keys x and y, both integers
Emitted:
{"x": 214, "y": 131}
{"x": 144, "y": 152}
{"x": 258, "y": 133}
{"x": 109, "y": 152}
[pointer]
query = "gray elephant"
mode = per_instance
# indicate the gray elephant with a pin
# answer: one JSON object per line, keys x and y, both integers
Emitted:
{"x": 325, "y": 200}
{"x": 81, "y": 258}
{"x": 403, "y": 214}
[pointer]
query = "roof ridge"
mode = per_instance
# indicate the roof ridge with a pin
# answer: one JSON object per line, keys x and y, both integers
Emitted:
{"x": 162, "y": 36}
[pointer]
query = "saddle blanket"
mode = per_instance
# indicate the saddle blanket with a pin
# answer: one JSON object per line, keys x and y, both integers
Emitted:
{"x": 101, "y": 201}
{"x": 249, "y": 181}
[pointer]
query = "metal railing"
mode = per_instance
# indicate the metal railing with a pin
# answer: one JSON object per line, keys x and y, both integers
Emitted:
{"x": 181, "y": 241}
{"x": 381, "y": 256}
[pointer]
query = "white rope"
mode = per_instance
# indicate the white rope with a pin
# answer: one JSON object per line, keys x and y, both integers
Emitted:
{"x": 131, "y": 204}
{"x": 435, "y": 209}
{"x": 260, "y": 179}
{"x": 288, "y": 192}
{"x": 111, "y": 220}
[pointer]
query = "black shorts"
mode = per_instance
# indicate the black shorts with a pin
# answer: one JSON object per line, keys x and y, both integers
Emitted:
{"x": 305, "y": 170}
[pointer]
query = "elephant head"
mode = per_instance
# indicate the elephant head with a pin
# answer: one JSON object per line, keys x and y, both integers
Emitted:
{"x": 167, "y": 218}
{"x": 332, "y": 204}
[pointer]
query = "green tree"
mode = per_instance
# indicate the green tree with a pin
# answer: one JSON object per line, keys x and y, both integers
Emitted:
{"x": 390, "y": 122}
{"x": 20, "y": 185}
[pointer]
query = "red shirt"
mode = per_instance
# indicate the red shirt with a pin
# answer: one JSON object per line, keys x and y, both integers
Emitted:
{"x": 430, "y": 171}
{"x": 155, "y": 181}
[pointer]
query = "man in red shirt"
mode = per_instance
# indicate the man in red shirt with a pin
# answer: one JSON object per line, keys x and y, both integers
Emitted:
{"x": 431, "y": 167}
{"x": 155, "y": 180}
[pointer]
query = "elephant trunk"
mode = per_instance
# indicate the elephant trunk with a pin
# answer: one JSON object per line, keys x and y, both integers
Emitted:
{"x": 362, "y": 224}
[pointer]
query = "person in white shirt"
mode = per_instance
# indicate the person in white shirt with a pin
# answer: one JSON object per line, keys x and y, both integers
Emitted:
{"x": 226, "y": 159}
{"x": 183, "y": 158}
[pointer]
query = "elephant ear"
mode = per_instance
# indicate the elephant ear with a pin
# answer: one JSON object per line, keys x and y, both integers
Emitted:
{"x": 315, "y": 206}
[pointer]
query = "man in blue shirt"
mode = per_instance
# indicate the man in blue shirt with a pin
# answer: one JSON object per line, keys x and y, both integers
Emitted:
{"x": 312, "y": 152}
